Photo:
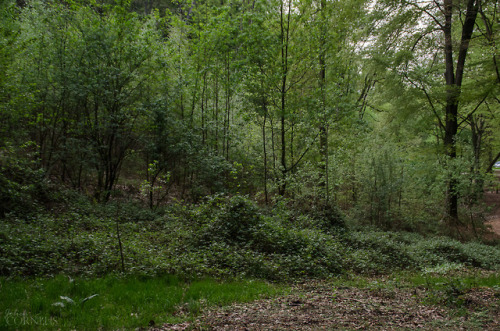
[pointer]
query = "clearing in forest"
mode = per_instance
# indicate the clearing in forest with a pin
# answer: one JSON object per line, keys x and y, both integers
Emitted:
{"x": 377, "y": 303}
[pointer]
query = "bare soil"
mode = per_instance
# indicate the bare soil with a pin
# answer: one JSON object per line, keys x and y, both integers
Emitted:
{"x": 492, "y": 199}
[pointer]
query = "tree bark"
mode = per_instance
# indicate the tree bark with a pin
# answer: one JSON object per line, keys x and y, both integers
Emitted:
{"x": 453, "y": 84}
{"x": 284, "y": 73}
{"x": 264, "y": 106}
{"x": 323, "y": 135}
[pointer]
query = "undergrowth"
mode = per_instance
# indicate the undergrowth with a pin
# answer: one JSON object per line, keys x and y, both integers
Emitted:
{"x": 221, "y": 237}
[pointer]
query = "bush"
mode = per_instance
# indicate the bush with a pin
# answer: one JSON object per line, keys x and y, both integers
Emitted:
{"x": 430, "y": 252}
{"x": 377, "y": 252}
{"x": 381, "y": 252}
{"x": 240, "y": 238}
{"x": 235, "y": 222}
{"x": 23, "y": 187}
{"x": 223, "y": 237}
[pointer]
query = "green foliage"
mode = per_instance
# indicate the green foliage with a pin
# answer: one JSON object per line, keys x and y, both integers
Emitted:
{"x": 81, "y": 88}
{"x": 240, "y": 237}
{"x": 381, "y": 252}
{"x": 223, "y": 237}
{"x": 23, "y": 185}
{"x": 236, "y": 222}
{"x": 377, "y": 252}
{"x": 289, "y": 106}
{"x": 449, "y": 288}
{"x": 8, "y": 35}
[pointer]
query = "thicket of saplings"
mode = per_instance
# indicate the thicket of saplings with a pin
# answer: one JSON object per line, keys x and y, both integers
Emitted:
{"x": 222, "y": 236}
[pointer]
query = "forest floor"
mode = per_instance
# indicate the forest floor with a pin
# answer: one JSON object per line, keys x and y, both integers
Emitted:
{"x": 322, "y": 306}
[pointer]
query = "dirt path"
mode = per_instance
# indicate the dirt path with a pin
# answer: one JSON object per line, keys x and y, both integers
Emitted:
{"x": 492, "y": 199}
{"x": 316, "y": 306}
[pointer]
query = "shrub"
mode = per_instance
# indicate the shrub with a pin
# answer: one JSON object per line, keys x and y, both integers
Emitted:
{"x": 240, "y": 238}
{"x": 223, "y": 237}
{"x": 234, "y": 223}
{"x": 23, "y": 187}
{"x": 435, "y": 251}
{"x": 379, "y": 252}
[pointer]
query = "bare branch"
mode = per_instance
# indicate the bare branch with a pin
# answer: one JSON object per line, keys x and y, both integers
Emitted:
{"x": 422, "y": 88}
{"x": 473, "y": 111}
{"x": 426, "y": 11}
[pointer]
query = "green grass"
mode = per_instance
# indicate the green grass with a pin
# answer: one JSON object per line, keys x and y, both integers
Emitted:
{"x": 115, "y": 302}
{"x": 466, "y": 282}
{"x": 469, "y": 278}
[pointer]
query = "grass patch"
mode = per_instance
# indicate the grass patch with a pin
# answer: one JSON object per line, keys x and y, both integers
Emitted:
{"x": 116, "y": 302}
{"x": 470, "y": 278}
{"x": 466, "y": 281}
{"x": 451, "y": 289}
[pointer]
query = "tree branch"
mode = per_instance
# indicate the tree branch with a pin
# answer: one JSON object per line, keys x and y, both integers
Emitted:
{"x": 303, "y": 154}
{"x": 472, "y": 112}
{"x": 495, "y": 159}
{"x": 434, "y": 18}
{"x": 422, "y": 88}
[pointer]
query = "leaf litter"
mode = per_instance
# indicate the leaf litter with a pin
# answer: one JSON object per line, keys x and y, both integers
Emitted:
{"x": 321, "y": 306}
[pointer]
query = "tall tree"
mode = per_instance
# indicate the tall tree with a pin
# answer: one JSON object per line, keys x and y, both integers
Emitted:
{"x": 454, "y": 73}
{"x": 430, "y": 36}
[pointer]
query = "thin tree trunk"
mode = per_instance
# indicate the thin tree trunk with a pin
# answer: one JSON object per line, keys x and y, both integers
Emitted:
{"x": 284, "y": 73}
{"x": 265, "y": 152}
{"x": 492, "y": 163}
{"x": 217, "y": 111}
{"x": 203, "y": 133}
{"x": 273, "y": 143}
{"x": 323, "y": 135}
{"x": 228, "y": 107}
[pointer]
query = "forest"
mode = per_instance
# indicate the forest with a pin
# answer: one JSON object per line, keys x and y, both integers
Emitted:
{"x": 162, "y": 159}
